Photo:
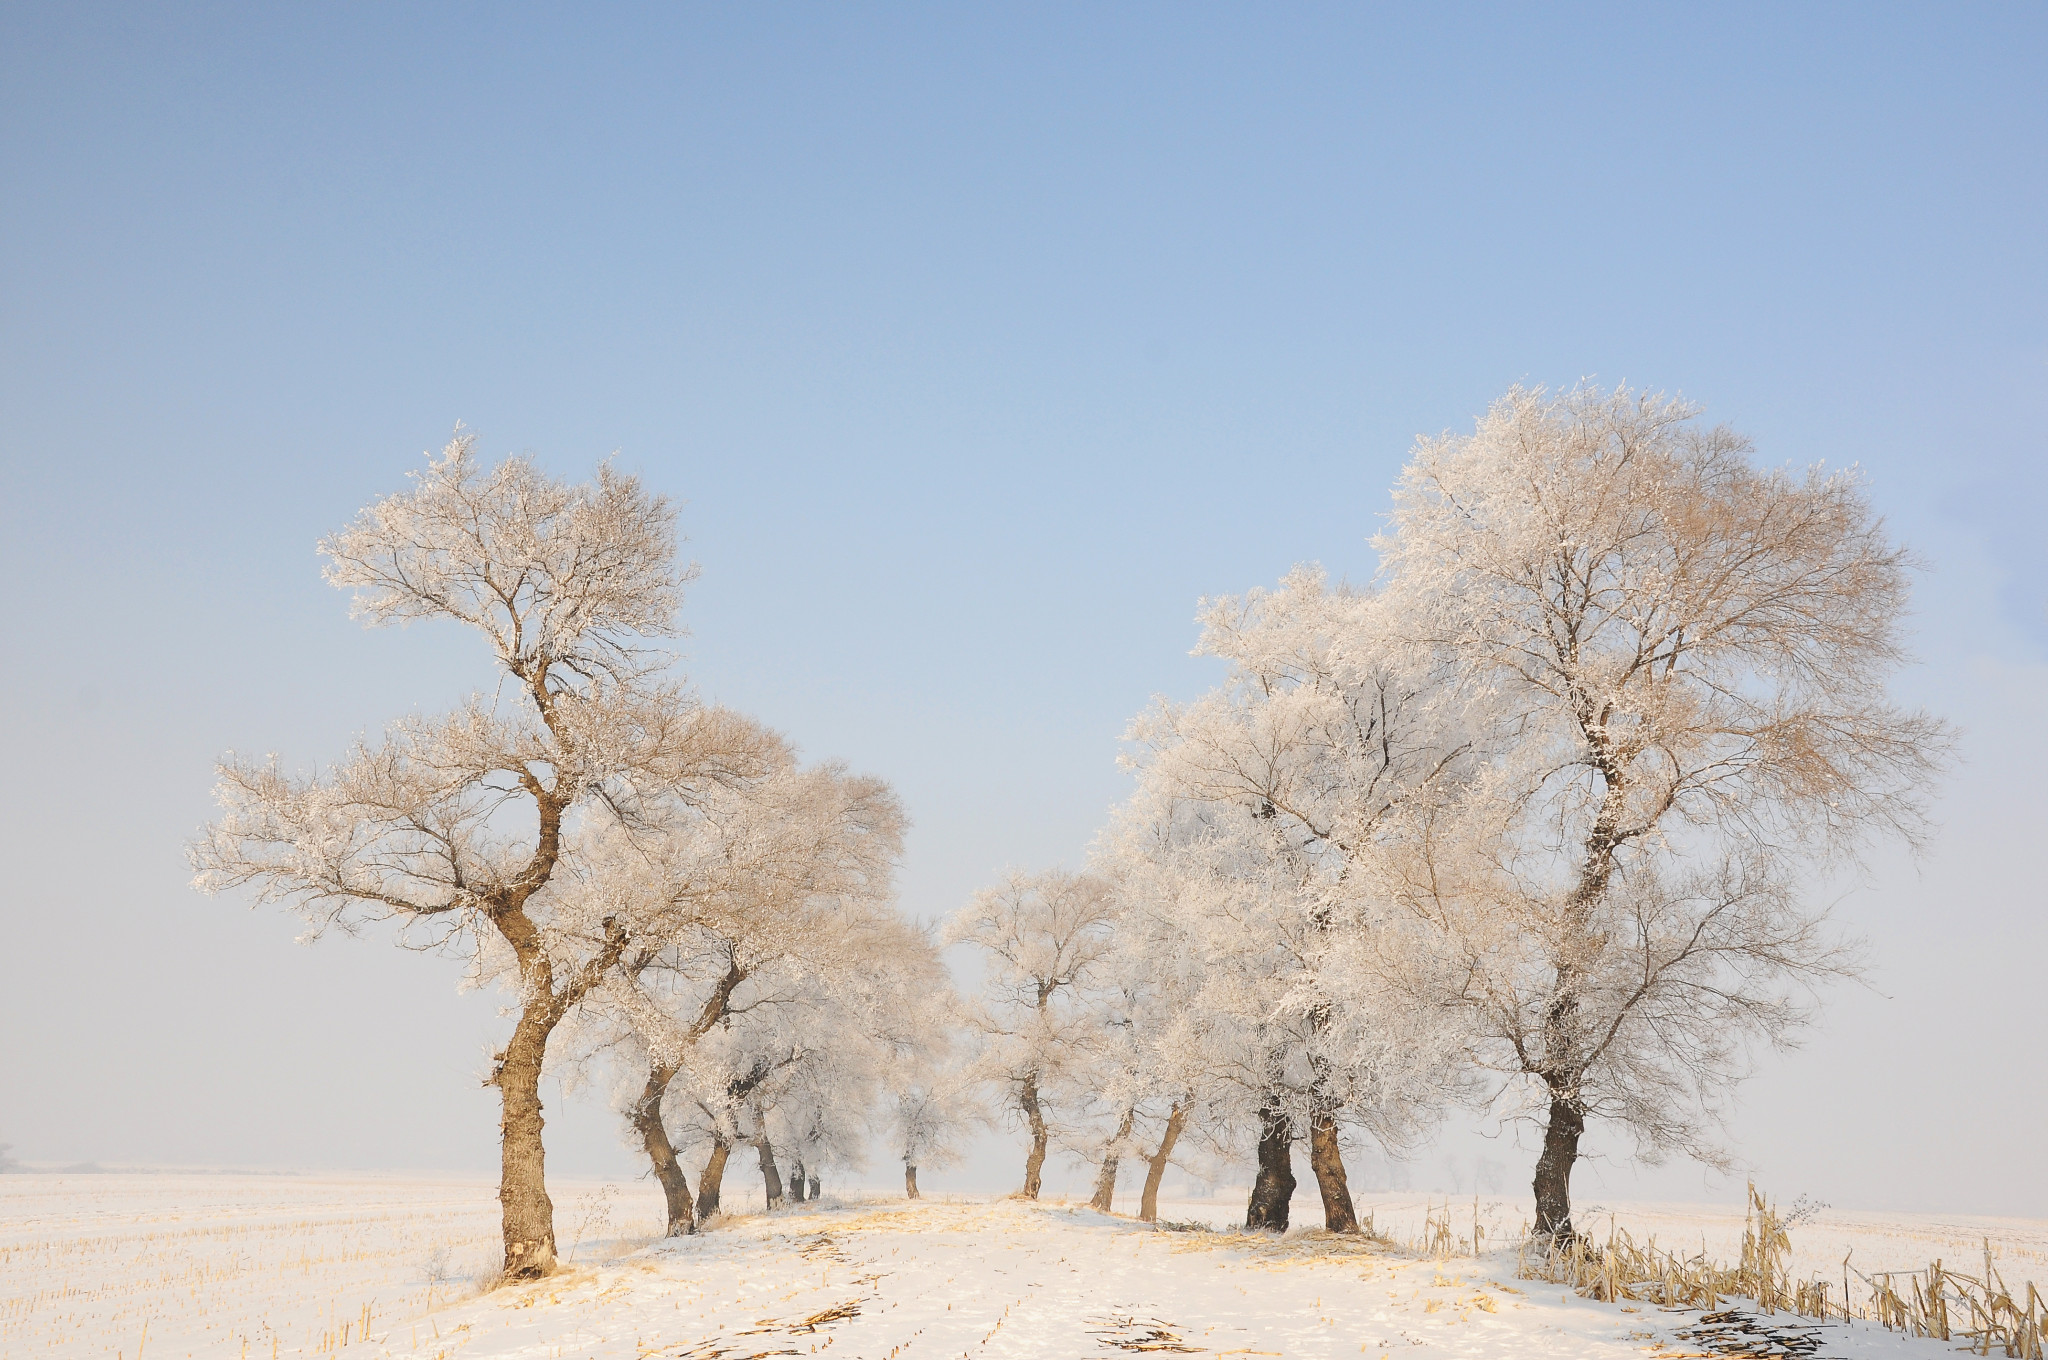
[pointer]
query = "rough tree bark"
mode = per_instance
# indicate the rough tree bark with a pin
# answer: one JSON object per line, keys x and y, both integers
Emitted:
{"x": 1155, "y": 1171}
{"x": 1034, "y": 1160}
{"x": 769, "y": 1175}
{"x": 910, "y": 1182}
{"x": 1274, "y": 1186}
{"x": 675, "y": 1186}
{"x": 1326, "y": 1159}
{"x": 816, "y": 1187}
{"x": 528, "y": 1212}
{"x": 796, "y": 1182}
{"x": 1105, "y": 1179}
{"x": 529, "y": 1215}
{"x": 1554, "y": 1167}
{"x": 713, "y": 1178}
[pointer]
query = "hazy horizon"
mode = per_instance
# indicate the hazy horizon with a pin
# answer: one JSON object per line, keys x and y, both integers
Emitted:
{"x": 978, "y": 345}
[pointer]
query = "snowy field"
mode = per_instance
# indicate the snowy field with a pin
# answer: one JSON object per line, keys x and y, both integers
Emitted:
{"x": 168, "y": 1266}
{"x": 284, "y": 1265}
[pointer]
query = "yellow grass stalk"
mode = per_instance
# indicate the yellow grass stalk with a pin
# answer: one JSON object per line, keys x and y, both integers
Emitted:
{"x": 1622, "y": 1270}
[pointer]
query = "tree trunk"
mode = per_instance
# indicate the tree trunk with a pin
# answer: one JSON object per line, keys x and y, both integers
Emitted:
{"x": 1554, "y": 1168}
{"x": 1274, "y": 1187}
{"x": 713, "y": 1178}
{"x": 1105, "y": 1180}
{"x": 1105, "y": 1185}
{"x": 1034, "y": 1160}
{"x": 769, "y": 1174}
{"x": 816, "y": 1188}
{"x": 910, "y": 1182}
{"x": 1563, "y": 1045}
{"x": 1148, "y": 1204}
{"x": 529, "y": 1215}
{"x": 1326, "y": 1159}
{"x": 675, "y": 1186}
{"x": 796, "y": 1183}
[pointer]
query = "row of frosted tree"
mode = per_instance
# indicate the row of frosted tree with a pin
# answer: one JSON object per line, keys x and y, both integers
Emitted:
{"x": 1534, "y": 821}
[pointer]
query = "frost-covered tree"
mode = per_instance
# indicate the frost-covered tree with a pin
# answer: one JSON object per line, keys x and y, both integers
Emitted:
{"x": 932, "y": 1110}
{"x": 1280, "y": 1026}
{"x": 1137, "y": 1080}
{"x": 1256, "y": 846}
{"x": 756, "y": 896}
{"x": 1673, "y": 664}
{"x": 718, "y": 1113}
{"x": 800, "y": 1062}
{"x": 929, "y": 1104}
{"x": 1118, "y": 1089}
{"x": 1042, "y": 938}
{"x": 865, "y": 1025}
{"x": 1156, "y": 1073}
{"x": 462, "y": 827}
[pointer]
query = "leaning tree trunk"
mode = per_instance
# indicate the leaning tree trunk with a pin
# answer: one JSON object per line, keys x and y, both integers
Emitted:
{"x": 1326, "y": 1159}
{"x": 675, "y": 1186}
{"x": 769, "y": 1175}
{"x": 529, "y": 1215}
{"x": 1274, "y": 1186}
{"x": 1554, "y": 1166}
{"x": 910, "y": 1182}
{"x": 1105, "y": 1180}
{"x": 1155, "y": 1172}
{"x": 713, "y": 1178}
{"x": 1034, "y": 1160}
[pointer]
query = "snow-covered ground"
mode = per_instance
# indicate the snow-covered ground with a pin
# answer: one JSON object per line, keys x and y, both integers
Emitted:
{"x": 284, "y": 1266}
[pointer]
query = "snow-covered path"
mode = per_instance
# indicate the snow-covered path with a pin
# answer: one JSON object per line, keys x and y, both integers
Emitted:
{"x": 901, "y": 1281}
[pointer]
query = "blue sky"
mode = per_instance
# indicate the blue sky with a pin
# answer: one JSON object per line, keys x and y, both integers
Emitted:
{"x": 980, "y": 342}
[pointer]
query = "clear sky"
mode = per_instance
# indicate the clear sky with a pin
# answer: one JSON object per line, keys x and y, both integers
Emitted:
{"x": 980, "y": 341}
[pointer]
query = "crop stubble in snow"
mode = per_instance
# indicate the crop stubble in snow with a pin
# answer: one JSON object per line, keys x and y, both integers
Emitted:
{"x": 290, "y": 1262}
